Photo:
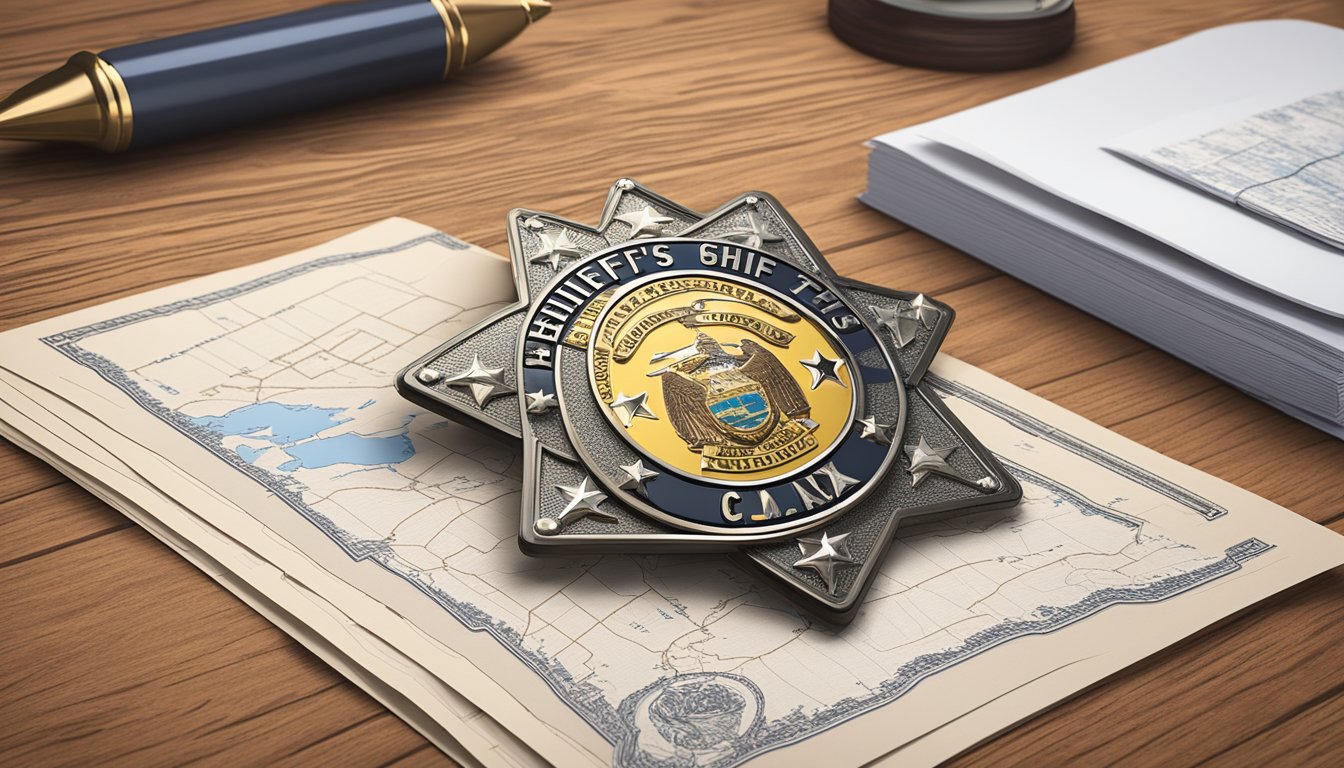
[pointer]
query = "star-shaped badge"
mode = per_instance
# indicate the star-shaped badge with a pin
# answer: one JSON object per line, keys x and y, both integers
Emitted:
{"x": 926, "y": 460}
{"x": 686, "y": 382}
{"x": 540, "y": 401}
{"x": 869, "y": 429}
{"x": 582, "y": 501}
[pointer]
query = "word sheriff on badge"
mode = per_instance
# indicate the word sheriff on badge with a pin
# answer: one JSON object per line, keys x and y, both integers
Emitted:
{"x": 685, "y": 382}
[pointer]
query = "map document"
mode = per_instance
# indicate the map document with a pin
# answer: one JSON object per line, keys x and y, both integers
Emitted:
{"x": 1286, "y": 164}
{"x": 248, "y": 419}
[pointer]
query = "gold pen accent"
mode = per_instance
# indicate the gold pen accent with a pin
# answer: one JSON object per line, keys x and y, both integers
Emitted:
{"x": 85, "y": 101}
{"x": 474, "y": 28}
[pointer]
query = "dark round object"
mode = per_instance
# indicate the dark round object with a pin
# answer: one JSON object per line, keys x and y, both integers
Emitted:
{"x": 953, "y": 39}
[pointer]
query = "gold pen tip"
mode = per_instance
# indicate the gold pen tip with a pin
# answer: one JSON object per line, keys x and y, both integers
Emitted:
{"x": 7, "y": 119}
{"x": 17, "y": 111}
{"x": 84, "y": 101}
{"x": 59, "y": 106}
{"x": 537, "y": 9}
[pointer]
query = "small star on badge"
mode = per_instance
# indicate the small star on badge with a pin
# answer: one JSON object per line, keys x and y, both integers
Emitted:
{"x": 631, "y": 407}
{"x": 869, "y": 429}
{"x": 904, "y": 323}
{"x": 840, "y": 482}
{"x": 824, "y": 555}
{"x": 581, "y": 501}
{"x": 636, "y": 476}
{"x": 753, "y": 234}
{"x": 645, "y": 222}
{"x": 554, "y": 248}
{"x": 927, "y": 313}
{"x": 485, "y": 384}
{"x": 540, "y": 402}
{"x": 925, "y": 459}
{"x": 823, "y": 369}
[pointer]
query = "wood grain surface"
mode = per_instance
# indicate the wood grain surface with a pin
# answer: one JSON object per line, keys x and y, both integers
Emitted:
{"x": 115, "y": 650}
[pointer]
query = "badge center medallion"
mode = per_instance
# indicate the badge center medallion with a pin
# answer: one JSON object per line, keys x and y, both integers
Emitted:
{"x": 718, "y": 367}
{"x": 727, "y": 379}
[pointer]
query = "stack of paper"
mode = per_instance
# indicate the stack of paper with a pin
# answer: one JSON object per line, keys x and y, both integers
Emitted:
{"x": 1068, "y": 186}
{"x": 248, "y": 419}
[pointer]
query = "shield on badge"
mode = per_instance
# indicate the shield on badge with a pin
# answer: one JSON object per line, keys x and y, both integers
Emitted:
{"x": 741, "y": 405}
{"x": 715, "y": 397}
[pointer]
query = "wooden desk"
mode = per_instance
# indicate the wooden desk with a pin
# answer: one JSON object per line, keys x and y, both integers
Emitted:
{"x": 114, "y": 649}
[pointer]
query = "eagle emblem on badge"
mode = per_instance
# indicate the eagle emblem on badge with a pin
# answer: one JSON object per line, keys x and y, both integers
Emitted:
{"x": 718, "y": 401}
{"x": 688, "y": 382}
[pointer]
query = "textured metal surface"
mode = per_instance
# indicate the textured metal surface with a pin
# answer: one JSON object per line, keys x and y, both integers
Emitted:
{"x": 527, "y": 227}
{"x": 736, "y": 219}
{"x": 894, "y": 500}
{"x": 913, "y": 358}
{"x": 494, "y": 345}
{"x": 555, "y": 472}
{"x": 549, "y": 428}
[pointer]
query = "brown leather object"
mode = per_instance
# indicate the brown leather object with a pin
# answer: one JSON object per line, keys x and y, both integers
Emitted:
{"x": 955, "y": 43}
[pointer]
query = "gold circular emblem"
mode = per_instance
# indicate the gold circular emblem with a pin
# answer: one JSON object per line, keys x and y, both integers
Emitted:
{"x": 717, "y": 379}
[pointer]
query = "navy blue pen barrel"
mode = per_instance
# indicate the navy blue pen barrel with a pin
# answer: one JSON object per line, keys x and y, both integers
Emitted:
{"x": 206, "y": 81}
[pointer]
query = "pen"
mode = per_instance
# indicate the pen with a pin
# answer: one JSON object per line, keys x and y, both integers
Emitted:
{"x": 163, "y": 90}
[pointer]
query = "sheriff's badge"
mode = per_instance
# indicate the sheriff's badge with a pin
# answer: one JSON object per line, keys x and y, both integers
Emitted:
{"x": 684, "y": 382}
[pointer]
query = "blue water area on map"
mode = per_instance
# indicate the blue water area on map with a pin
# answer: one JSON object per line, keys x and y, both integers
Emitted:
{"x": 746, "y": 411}
{"x": 288, "y": 423}
{"x": 249, "y": 454}
{"x": 292, "y": 428}
{"x": 349, "y": 448}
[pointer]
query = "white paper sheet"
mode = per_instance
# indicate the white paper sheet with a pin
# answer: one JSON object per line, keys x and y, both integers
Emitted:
{"x": 1053, "y": 136}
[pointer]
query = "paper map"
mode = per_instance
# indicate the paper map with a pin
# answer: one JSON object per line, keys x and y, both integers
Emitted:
{"x": 1286, "y": 164}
